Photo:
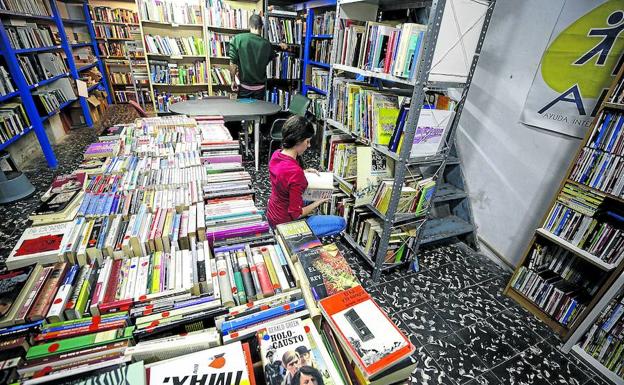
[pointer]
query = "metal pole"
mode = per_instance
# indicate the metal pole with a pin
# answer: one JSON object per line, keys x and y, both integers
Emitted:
{"x": 418, "y": 96}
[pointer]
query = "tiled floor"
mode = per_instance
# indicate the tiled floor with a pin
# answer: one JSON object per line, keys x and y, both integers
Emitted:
{"x": 465, "y": 331}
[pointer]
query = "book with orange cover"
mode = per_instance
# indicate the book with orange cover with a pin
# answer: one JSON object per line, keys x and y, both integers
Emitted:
{"x": 369, "y": 337}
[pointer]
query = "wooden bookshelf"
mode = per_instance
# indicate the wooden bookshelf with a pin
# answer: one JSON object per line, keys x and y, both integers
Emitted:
{"x": 610, "y": 270}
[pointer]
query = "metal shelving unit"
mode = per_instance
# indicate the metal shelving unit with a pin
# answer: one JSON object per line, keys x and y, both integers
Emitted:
{"x": 24, "y": 89}
{"x": 450, "y": 189}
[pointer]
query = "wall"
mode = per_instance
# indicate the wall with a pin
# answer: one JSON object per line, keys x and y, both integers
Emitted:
{"x": 512, "y": 170}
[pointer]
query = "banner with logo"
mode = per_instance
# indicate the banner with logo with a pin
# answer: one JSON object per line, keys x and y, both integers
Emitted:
{"x": 583, "y": 55}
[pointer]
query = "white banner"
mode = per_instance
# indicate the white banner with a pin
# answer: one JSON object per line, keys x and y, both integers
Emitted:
{"x": 583, "y": 55}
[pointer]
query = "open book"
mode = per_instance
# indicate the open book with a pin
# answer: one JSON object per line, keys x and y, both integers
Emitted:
{"x": 319, "y": 186}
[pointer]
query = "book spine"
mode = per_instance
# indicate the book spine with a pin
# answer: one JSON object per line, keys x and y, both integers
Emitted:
{"x": 113, "y": 281}
{"x": 100, "y": 287}
{"x": 55, "y": 314}
{"x": 263, "y": 274}
{"x": 36, "y": 289}
{"x": 224, "y": 282}
{"x": 46, "y": 296}
{"x": 254, "y": 272}
{"x": 215, "y": 279}
{"x": 245, "y": 272}
{"x": 238, "y": 278}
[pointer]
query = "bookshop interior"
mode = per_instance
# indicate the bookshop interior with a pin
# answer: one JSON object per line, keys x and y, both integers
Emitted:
{"x": 320, "y": 192}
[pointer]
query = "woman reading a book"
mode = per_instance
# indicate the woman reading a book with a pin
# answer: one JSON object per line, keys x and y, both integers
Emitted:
{"x": 288, "y": 182}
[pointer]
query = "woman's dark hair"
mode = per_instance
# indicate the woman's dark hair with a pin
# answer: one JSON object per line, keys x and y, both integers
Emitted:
{"x": 255, "y": 21}
{"x": 295, "y": 130}
{"x": 309, "y": 371}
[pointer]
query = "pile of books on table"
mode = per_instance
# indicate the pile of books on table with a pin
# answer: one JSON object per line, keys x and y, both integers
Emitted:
{"x": 155, "y": 289}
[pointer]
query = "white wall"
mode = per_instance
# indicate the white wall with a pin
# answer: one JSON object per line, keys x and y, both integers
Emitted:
{"x": 512, "y": 170}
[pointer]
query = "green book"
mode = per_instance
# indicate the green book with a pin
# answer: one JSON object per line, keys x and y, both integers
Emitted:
{"x": 81, "y": 320}
{"x": 77, "y": 343}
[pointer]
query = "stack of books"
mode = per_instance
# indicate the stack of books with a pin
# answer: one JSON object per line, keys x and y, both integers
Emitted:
{"x": 220, "y": 76}
{"x": 114, "y": 15}
{"x": 42, "y": 66}
{"x": 600, "y": 164}
{"x": 166, "y": 99}
{"x": 287, "y": 31}
{"x": 6, "y": 84}
{"x": 602, "y": 340}
{"x": 177, "y": 73}
{"x": 380, "y": 47}
{"x": 112, "y": 32}
{"x": 284, "y": 66}
{"x": 171, "y": 11}
{"x": 30, "y": 35}
{"x": 219, "y": 43}
{"x": 13, "y": 120}
{"x": 279, "y": 96}
{"x": 320, "y": 50}
{"x": 222, "y": 15}
{"x": 319, "y": 78}
{"x": 324, "y": 23}
{"x": 29, "y": 7}
{"x": 50, "y": 100}
{"x": 174, "y": 46}
{"x": 415, "y": 196}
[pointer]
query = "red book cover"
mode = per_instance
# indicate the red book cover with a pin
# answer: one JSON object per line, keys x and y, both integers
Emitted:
{"x": 46, "y": 295}
{"x": 42, "y": 244}
{"x": 113, "y": 282}
{"x": 370, "y": 338}
{"x": 117, "y": 306}
{"x": 249, "y": 362}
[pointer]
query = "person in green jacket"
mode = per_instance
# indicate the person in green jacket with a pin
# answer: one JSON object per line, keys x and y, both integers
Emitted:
{"x": 250, "y": 53}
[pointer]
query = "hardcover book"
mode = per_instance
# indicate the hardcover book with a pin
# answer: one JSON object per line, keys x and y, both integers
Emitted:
{"x": 298, "y": 236}
{"x": 219, "y": 365}
{"x": 319, "y": 186}
{"x": 42, "y": 244}
{"x": 370, "y": 338}
{"x": 327, "y": 271}
{"x": 14, "y": 287}
{"x": 430, "y": 134}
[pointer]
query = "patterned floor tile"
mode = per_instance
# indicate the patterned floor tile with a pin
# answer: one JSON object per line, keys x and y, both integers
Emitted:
{"x": 399, "y": 295}
{"x": 492, "y": 348}
{"x": 427, "y": 372}
{"x": 426, "y": 325}
{"x": 556, "y": 369}
{"x": 487, "y": 378}
{"x": 516, "y": 371}
{"x": 456, "y": 359}
{"x": 428, "y": 287}
{"x": 454, "y": 276}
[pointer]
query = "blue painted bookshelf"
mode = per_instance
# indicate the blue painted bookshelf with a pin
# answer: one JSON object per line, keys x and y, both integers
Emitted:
{"x": 24, "y": 90}
{"x": 312, "y": 8}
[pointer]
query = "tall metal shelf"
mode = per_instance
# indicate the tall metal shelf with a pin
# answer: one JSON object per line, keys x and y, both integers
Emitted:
{"x": 449, "y": 183}
{"x": 24, "y": 90}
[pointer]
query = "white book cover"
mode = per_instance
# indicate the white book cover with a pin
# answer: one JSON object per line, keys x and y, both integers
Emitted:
{"x": 320, "y": 186}
{"x": 219, "y": 365}
{"x": 431, "y": 132}
{"x": 43, "y": 244}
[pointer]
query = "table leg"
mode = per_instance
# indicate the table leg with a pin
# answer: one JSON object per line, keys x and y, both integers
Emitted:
{"x": 257, "y": 142}
{"x": 246, "y": 130}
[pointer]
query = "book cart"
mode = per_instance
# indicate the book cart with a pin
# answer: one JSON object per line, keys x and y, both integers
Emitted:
{"x": 24, "y": 90}
{"x": 427, "y": 228}
{"x": 569, "y": 271}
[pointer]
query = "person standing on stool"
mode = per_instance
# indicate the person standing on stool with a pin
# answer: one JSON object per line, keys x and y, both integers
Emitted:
{"x": 250, "y": 53}
{"x": 288, "y": 182}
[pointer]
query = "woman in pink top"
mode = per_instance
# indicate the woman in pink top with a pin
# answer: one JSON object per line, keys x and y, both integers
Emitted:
{"x": 288, "y": 182}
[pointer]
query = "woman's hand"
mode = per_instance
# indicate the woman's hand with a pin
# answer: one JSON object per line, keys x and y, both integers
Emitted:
{"x": 313, "y": 171}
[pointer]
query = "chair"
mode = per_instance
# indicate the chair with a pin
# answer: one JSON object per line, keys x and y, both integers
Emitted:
{"x": 298, "y": 106}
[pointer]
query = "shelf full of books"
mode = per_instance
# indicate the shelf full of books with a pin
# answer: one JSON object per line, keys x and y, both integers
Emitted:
{"x": 151, "y": 259}
{"x": 388, "y": 134}
{"x": 40, "y": 65}
{"x": 583, "y": 229}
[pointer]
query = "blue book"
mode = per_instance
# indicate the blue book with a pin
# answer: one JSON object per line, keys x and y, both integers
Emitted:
{"x": 103, "y": 233}
{"x": 553, "y": 216}
{"x": 85, "y": 203}
{"x": 598, "y": 177}
{"x": 109, "y": 204}
{"x": 564, "y": 218}
{"x": 10, "y": 330}
{"x": 602, "y": 130}
{"x": 268, "y": 314}
{"x": 92, "y": 205}
{"x": 82, "y": 323}
{"x": 616, "y": 133}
